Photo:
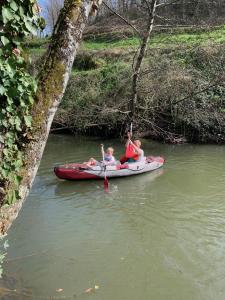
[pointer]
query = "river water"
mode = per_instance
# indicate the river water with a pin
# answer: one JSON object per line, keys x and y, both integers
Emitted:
{"x": 155, "y": 236}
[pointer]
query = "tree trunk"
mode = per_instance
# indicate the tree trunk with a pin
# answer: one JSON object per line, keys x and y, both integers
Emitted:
{"x": 141, "y": 54}
{"x": 52, "y": 83}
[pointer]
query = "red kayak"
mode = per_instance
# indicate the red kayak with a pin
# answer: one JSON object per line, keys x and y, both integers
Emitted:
{"x": 76, "y": 171}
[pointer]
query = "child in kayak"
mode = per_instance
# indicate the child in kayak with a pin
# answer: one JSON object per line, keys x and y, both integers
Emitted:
{"x": 109, "y": 159}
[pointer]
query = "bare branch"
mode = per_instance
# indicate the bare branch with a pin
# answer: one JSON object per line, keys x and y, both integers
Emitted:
{"x": 165, "y": 19}
{"x": 122, "y": 18}
{"x": 168, "y": 3}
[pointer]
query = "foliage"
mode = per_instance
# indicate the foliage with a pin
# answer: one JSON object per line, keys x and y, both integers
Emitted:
{"x": 87, "y": 62}
{"x": 36, "y": 42}
{"x": 98, "y": 104}
{"x": 178, "y": 63}
{"x": 17, "y": 20}
{"x": 97, "y": 91}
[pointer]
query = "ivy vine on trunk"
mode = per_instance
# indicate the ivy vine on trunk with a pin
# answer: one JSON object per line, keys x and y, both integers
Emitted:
{"x": 17, "y": 88}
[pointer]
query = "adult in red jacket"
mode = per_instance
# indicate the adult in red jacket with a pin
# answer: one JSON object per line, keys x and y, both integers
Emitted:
{"x": 134, "y": 153}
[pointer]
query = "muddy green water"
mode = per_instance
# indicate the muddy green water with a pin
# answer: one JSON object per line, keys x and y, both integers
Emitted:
{"x": 155, "y": 236}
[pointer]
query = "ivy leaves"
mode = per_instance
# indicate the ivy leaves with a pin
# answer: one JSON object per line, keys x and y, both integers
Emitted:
{"x": 18, "y": 18}
{"x": 16, "y": 93}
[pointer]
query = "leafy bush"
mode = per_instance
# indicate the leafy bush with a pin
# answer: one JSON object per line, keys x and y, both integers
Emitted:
{"x": 87, "y": 62}
{"x": 96, "y": 101}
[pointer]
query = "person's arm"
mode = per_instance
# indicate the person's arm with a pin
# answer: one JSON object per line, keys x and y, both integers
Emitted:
{"x": 139, "y": 151}
{"x": 129, "y": 139}
{"x": 102, "y": 151}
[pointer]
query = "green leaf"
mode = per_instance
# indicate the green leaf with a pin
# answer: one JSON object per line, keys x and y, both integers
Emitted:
{"x": 14, "y": 6}
{"x": 31, "y": 99}
{"x": 5, "y": 152}
{"x": 2, "y": 90}
{"x": 18, "y": 163}
{"x": 20, "y": 88}
{"x": 4, "y": 40}
{"x": 4, "y": 123}
{"x": 30, "y": 27}
{"x": 7, "y": 15}
{"x": 4, "y": 173}
{"x": 18, "y": 123}
{"x": 28, "y": 120}
{"x": 12, "y": 92}
{"x": 12, "y": 197}
{"x": 21, "y": 11}
{"x": 17, "y": 180}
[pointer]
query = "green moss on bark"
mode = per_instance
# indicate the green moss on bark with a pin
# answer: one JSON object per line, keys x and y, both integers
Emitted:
{"x": 50, "y": 89}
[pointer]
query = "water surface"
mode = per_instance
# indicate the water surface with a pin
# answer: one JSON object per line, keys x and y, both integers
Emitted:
{"x": 155, "y": 236}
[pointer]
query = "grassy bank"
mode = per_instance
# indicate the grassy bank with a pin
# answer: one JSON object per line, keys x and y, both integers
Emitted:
{"x": 181, "y": 93}
{"x": 169, "y": 38}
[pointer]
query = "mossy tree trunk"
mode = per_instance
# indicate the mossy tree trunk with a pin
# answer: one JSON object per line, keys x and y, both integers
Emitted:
{"x": 52, "y": 83}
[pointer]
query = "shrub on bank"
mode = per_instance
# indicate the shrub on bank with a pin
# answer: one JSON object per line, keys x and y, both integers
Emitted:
{"x": 181, "y": 93}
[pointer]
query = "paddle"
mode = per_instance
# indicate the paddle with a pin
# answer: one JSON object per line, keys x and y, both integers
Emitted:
{"x": 106, "y": 182}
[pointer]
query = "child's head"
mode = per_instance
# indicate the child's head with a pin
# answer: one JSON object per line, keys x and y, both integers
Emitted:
{"x": 110, "y": 151}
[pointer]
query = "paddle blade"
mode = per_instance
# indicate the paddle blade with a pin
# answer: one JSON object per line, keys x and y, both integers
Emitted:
{"x": 106, "y": 184}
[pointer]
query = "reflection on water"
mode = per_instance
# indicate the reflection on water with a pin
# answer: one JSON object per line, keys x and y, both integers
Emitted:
{"x": 67, "y": 189}
{"x": 158, "y": 236}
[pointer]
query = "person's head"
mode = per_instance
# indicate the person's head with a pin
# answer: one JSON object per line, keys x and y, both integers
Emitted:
{"x": 110, "y": 151}
{"x": 137, "y": 143}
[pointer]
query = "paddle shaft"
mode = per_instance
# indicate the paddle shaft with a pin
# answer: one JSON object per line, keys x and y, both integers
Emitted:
{"x": 106, "y": 183}
{"x": 131, "y": 129}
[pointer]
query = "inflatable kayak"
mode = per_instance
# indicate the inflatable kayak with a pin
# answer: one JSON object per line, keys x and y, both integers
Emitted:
{"x": 81, "y": 171}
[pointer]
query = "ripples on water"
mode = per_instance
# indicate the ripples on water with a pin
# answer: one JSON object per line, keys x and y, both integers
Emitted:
{"x": 154, "y": 236}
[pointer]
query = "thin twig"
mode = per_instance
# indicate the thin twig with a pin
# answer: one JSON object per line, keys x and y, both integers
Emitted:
{"x": 199, "y": 92}
{"x": 122, "y": 18}
{"x": 166, "y": 4}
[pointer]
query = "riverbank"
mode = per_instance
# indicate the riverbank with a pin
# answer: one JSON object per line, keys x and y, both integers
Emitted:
{"x": 181, "y": 92}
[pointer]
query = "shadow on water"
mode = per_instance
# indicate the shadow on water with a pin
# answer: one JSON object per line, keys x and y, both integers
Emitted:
{"x": 65, "y": 188}
{"x": 12, "y": 289}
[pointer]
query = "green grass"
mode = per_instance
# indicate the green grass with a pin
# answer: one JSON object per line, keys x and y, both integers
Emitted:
{"x": 37, "y": 51}
{"x": 36, "y": 42}
{"x": 158, "y": 40}
{"x": 108, "y": 67}
{"x": 161, "y": 40}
